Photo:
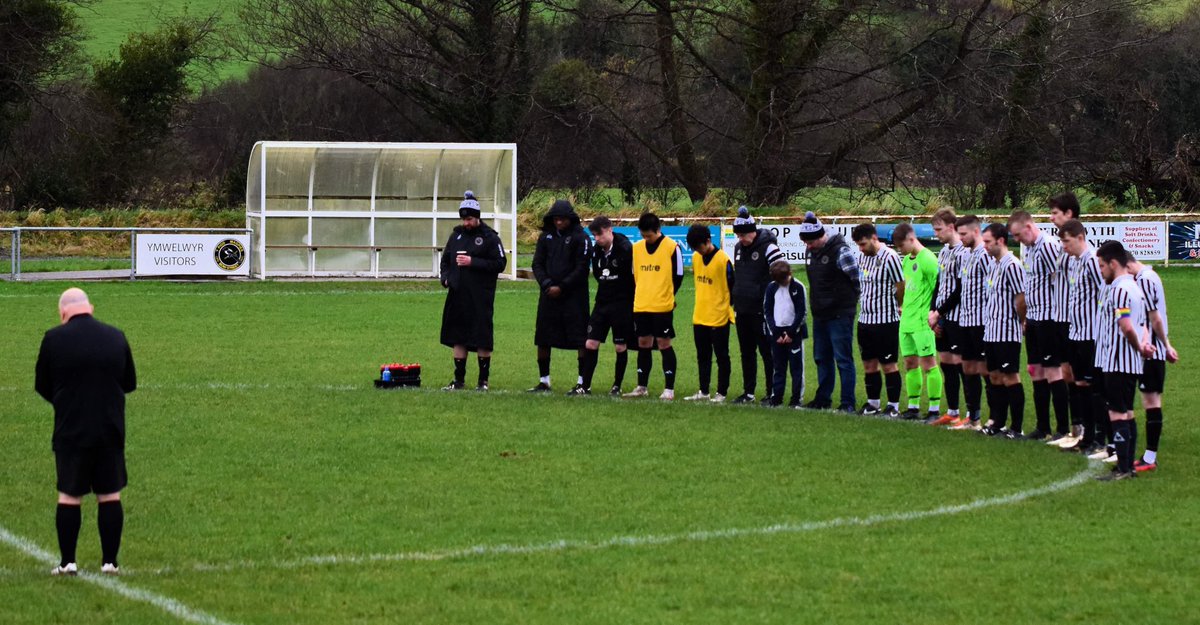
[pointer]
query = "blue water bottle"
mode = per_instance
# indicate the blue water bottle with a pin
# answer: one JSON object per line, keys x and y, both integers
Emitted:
{"x": 387, "y": 374}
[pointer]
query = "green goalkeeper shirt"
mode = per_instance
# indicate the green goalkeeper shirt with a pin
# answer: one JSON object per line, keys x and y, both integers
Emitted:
{"x": 920, "y": 281}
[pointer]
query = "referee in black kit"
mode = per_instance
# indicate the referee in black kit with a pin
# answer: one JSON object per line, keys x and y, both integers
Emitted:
{"x": 85, "y": 368}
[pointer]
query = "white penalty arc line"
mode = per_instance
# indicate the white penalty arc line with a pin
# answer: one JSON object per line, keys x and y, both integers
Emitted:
{"x": 114, "y": 585}
{"x": 643, "y": 540}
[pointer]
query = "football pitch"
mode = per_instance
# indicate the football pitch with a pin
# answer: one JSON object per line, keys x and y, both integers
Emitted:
{"x": 270, "y": 483}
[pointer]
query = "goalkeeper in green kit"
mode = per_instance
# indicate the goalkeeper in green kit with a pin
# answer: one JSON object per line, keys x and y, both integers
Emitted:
{"x": 917, "y": 341}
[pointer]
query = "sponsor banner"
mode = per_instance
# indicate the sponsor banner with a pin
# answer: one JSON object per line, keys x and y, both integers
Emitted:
{"x": 193, "y": 255}
{"x": 793, "y": 247}
{"x": 1146, "y": 240}
{"x": 677, "y": 234}
{"x": 1184, "y": 240}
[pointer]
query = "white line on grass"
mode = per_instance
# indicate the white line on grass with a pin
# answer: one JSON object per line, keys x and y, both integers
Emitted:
{"x": 643, "y": 540}
{"x": 114, "y": 585}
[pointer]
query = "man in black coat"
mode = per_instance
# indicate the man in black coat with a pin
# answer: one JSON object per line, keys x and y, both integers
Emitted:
{"x": 560, "y": 266}
{"x": 753, "y": 255}
{"x": 471, "y": 260}
{"x": 85, "y": 368}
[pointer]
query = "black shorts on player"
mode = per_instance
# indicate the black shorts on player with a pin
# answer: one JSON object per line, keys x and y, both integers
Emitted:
{"x": 658, "y": 325}
{"x": 1003, "y": 357}
{"x": 952, "y": 340}
{"x": 879, "y": 341}
{"x": 1119, "y": 390}
{"x": 99, "y": 470}
{"x": 1083, "y": 361}
{"x": 1045, "y": 343}
{"x": 617, "y": 317}
{"x": 1154, "y": 376}
{"x": 972, "y": 345}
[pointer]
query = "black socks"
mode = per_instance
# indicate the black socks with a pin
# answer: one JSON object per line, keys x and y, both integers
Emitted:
{"x": 997, "y": 404}
{"x": 544, "y": 367}
{"x": 67, "y": 520}
{"x": 619, "y": 372}
{"x": 1123, "y": 438}
{"x": 485, "y": 369}
{"x": 460, "y": 369}
{"x": 1041, "y": 404}
{"x": 1016, "y": 404}
{"x": 950, "y": 375}
{"x": 893, "y": 386}
{"x": 1154, "y": 425}
{"x": 669, "y": 363}
{"x": 110, "y": 519}
{"x": 874, "y": 384}
{"x": 645, "y": 360}
{"x": 973, "y": 389}
{"x": 1058, "y": 395}
{"x": 1082, "y": 414}
{"x": 587, "y": 366}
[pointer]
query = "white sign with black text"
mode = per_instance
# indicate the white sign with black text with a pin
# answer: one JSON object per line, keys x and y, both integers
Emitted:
{"x": 1146, "y": 240}
{"x": 193, "y": 255}
{"x": 789, "y": 240}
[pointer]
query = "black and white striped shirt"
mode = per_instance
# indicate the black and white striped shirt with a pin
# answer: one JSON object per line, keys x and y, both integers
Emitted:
{"x": 880, "y": 273}
{"x": 1043, "y": 271}
{"x": 1156, "y": 299}
{"x": 977, "y": 268}
{"x": 1005, "y": 282}
{"x": 1083, "y": 285}
{"x": 1114, "y": 354}
{"x": 950, "y": 263}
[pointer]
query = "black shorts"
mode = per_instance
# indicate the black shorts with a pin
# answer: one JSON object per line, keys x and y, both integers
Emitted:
{"x": 1003, "y": 357}
{"x": 879, "y": 341}
{"x": 1046, "y": 343}
{"x": 99, "y": 470}
{"x": 952, "y": 340}
{"x": 1082, "y": 356}
{"x": 615, "y": 316}
{"x": 658, "y": 325}
{"x": 1119, "y": 389}
{"x": 1154, "y": 376}
{"x": 972, "y": 346}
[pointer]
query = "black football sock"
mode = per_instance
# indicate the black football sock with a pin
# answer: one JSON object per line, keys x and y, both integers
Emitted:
{"x": 998, "y": 405}
{"x": 460, "y": 370}
{"x": 669, "y": 363}
{"x": 110, "y": 520}
{"x": 644, "y": 362}
{"x": 972, "y": 388}
{"x": 485, "y": 369}
{"x": 1154, "y": 424}
{"x": 1081, "y": 413}
{"x": 588, "y": 366}
{"x": 619, "y": 370}
{"x": 1041, "y": 404}
{"x": 1123, "y": 438}
{"x": 67, "y": 520}
{"x": 892, "y": 380}
{"x": 874, "y": 383}
{"x": 950, "y": 376}
{"x": 1058, "y": 395}
{"x": 1016, "y": 405}
{"x": 1104, "y": 432}
{"x": 544, "y": 367}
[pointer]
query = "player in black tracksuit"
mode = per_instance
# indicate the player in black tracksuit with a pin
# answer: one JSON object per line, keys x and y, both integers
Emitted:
{"x": 560, "y": 266}
{"x": 612, "y": 266}
{"x": 471, "y": 260}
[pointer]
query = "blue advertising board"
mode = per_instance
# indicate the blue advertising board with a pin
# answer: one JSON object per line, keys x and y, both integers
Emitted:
{"x": 1183, "y": 240}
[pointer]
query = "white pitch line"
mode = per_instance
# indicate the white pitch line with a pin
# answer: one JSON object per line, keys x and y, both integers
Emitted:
{"x": 642, "y": 540}
{"x": 115, "y": 585}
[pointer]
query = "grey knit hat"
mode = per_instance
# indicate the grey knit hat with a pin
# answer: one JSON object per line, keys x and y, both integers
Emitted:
{"x": 744, "y": 223}
{"x": 811, "y": 228}
{"x": 469, "y": 206}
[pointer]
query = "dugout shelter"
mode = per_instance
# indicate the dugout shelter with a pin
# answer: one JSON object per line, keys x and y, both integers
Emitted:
{"x": 371, "y": 209}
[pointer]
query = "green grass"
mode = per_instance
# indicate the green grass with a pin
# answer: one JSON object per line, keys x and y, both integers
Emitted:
{"x": 256, "y": 440}
{"x": 41, "y": 265}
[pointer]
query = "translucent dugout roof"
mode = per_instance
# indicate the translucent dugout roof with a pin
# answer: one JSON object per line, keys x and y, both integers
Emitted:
{"x": 379, "y": 177}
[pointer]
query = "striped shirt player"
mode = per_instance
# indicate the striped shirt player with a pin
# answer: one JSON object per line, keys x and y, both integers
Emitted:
{"x": 951, "y": 262}
{"x": 1154, "y": 371}
{"x": 972, "y": 308}
{"x": 880, "y": 274}
{"x": 1123, "y": 300}
{"x": 1085, "y": 287}
{"x": 1043, "y": 296}
{"x": 1002, "y": 323}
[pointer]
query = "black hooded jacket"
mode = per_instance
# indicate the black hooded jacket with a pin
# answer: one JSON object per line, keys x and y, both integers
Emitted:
{"x": 561, "y": 259}
{"x": 483, "y": 245}
{"x": 614, "y": 271}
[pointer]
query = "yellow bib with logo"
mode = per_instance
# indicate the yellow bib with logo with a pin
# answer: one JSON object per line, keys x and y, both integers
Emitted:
{"x": 655, "y": 290}
{"x": 712, "y": 290}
